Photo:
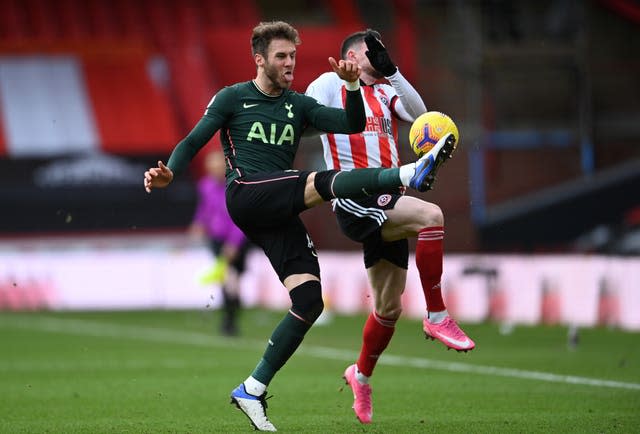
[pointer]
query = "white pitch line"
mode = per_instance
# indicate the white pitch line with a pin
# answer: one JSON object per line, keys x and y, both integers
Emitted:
{"x": 153, "y": 334}
{"x": 69, "y": 365}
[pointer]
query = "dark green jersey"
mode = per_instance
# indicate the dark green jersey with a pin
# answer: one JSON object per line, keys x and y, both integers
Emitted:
{"x": 261, "y": 133}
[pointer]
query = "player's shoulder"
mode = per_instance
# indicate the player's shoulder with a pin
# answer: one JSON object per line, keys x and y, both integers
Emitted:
{"x": 325, "y": 87}
{"x": 329, "y": 78}
{"x": 300, "y": 100}
{"x": 241, "y": 87}
{"x": 226, "y": 90}
{"x": 231, "y": 92}
{"x": 224, "y": 99}
{"x": 237, "y": 88}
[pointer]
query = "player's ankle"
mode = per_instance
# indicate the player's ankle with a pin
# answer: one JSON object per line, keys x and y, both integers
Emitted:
{"x": 437, "y": 317}
{"x": 360, "y": 377}
{"x": 406, "y": 173}
{"x": 254, "y": 387}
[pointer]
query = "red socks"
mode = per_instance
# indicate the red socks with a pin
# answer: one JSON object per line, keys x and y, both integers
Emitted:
{"x": 378, "y": 330}
{"x": 375, "y": 337}
{"x": 429, "y": 254}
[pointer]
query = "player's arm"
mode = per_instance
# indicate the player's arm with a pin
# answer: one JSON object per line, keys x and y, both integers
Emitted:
{"x": 322, "y": 89}
{"x": 409, "y": 104}
{"x": 183, "y": 153}
{"x": 353, "y": 118}
{"x": 213, "y": 118}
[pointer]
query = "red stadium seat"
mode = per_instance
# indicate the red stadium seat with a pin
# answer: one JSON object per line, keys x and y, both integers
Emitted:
{"x": 132, "y": 114}
{"x": 318, "y": 43}
{"x": 40, "y": 13}
{"x": 73, "y": 19}
{"x": 13, "y": 21}
{"x": 230, "y": 51}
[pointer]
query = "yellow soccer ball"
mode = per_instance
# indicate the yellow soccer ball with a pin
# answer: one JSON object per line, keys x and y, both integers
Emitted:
{"x": 428, "y": 128}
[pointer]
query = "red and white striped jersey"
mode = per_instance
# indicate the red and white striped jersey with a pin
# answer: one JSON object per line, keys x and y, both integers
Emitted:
{"x": 377, "y": 145}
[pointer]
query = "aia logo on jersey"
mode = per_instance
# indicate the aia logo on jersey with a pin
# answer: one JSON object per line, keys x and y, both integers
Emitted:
{"x": 384, "y": 199}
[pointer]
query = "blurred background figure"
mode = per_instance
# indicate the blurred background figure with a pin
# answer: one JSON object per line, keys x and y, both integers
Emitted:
{"x": 228, "y": 244}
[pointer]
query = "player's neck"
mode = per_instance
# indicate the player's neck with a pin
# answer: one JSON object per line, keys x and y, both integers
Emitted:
{"x": 265, "y": 86}
{"x": 367, "y": 79}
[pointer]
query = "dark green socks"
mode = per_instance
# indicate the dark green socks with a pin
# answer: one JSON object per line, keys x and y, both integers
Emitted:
{"x": 360, "y": 183}
{"x": 283, "y": 343}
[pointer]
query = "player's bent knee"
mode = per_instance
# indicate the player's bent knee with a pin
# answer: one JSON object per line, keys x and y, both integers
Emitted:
{"x": 438, "y": 216}
{"x": 306, "y": 300}
{"x": 431, "y": 215}
{"x": 390, "y": 312}
{"x": 389, "y": 307}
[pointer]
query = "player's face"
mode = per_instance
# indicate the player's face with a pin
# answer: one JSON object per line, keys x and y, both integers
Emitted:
{"x": 280, "y": 62}
{"x": 357, "y": 55}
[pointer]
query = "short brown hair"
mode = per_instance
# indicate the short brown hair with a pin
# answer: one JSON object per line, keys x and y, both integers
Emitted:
{"x": 265, "y": 32}
{"x": 355, "y": 38}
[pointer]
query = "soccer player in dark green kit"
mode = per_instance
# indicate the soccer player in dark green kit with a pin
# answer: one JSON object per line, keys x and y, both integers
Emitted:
{"x": 261, "y": 122}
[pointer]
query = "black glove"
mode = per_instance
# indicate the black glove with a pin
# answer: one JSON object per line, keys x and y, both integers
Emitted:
{"x": 378, "y": 55}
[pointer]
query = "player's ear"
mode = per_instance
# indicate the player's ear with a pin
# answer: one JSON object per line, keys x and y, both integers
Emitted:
{"x": 259, "y": 59}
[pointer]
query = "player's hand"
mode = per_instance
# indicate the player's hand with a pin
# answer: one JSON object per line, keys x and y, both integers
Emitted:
{"x": 378, "y": 55}
{"x": 157, "y": 177}
{"x": 346, "y": 69}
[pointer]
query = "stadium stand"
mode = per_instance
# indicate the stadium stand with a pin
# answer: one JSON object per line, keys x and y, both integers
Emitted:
{"x": 146, "y": 69}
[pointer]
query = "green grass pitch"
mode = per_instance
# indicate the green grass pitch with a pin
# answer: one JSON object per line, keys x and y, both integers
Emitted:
{"x": 170, "y": 372}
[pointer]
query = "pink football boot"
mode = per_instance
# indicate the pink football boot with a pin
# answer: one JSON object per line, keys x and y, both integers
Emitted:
{"x": 361, "y": 395}
{"x": 449, "y": 334}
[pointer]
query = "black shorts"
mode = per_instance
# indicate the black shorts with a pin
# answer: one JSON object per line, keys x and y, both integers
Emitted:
{"x": 239, "y": 261}
{"x": 266, "y": 207}
{"x": 361, "y": 220}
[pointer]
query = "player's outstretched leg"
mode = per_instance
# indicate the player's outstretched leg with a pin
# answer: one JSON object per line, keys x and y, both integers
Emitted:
{"x": 361, "y": 395}
{"x": 427, "y": 166}
{"x": 254, "y": 407}
{"x": 448, "y": 332}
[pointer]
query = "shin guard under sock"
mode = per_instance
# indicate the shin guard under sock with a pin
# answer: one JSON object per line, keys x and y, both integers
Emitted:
{"x": 376, "y": 336}
{"x": 429, "y": 253}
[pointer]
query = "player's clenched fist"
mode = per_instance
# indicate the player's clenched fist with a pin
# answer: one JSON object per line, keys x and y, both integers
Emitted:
{"x": 157, "y": 177}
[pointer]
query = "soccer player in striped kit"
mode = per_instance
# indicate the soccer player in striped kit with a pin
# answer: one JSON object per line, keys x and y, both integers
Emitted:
{"x": 382, "y": 222}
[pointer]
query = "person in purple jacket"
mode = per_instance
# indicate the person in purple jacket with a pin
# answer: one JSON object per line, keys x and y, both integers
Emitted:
{"x": 226, "y": 241}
